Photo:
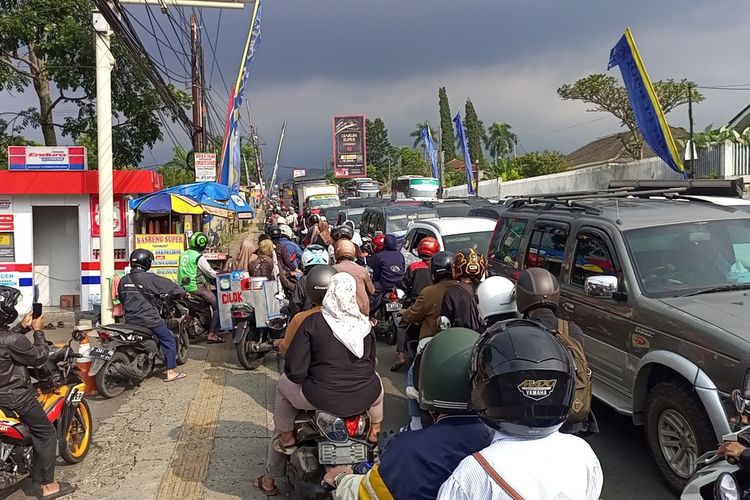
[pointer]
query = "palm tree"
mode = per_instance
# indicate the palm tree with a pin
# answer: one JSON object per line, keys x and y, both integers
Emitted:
{"x": 417, "y": 134}
{"x": 500, "y": 141}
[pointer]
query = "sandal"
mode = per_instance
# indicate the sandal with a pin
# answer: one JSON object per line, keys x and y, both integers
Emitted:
{"x": 179, "y": 376}
{"x": 397, "y": 366}
{"x": 258, "y": 485}
{"x": 49, "y": 326}
{"x": 60, "y": 324}
{"x": 65, "y": 489}
{"x": 218, "y": 340}
{"x": 286, "y": 450}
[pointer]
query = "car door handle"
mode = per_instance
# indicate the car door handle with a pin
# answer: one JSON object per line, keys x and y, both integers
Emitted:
{"x": 569, "y": 307}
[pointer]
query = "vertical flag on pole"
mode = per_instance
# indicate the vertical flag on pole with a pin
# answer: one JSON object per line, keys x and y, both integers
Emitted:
{"x": 646, "y": 108}
{"x": 229, "y": 171}
{"x": 430, "y": 148}
{"x": 465, "y": 151}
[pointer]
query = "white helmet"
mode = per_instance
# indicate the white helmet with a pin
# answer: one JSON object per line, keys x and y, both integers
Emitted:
{"x": 286, "y": 231}
{"x": 496, "y": 296}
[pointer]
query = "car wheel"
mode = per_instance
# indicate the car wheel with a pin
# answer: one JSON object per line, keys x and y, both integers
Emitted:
{"x": 678, "y": 430}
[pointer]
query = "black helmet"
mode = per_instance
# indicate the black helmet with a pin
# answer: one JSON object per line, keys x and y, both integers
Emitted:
{"x": 306, "y": 213}
{"x": 441, "y": 266}
{"x": 316, "y": 283}
{"x": 141, "y": 259}
{"x": 274, "y": 232}
{"x": 444, "y": 383}
{"x": 313, "y": 219}
{"x": 537, "y": 287}
{"x": 9, "y": 297}
{"x": 344, "y": 232}
{"x": 522, "y": 379}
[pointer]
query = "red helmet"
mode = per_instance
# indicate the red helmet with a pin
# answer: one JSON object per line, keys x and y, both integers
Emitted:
{"x": 428, "y": 247}
{"x": 378, "y": 242}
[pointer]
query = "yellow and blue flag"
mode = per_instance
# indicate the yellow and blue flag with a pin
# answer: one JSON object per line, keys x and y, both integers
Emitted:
{"x": 229, "y": 169}
{"x": 646, "y": 108}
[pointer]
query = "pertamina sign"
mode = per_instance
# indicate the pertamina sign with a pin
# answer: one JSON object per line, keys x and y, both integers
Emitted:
{"x": 25, "y": 158}
{"x": 349, "y": 149}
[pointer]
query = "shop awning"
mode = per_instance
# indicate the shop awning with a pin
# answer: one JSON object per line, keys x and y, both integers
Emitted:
{"x": 217, "y": 199}
{"x": 162, "y": 203}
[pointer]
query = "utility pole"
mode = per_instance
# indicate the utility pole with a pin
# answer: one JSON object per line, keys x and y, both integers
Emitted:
{"x": 276, "y": 161}
{"x": 690, "y": 154}
{"x": 197, "y": 86}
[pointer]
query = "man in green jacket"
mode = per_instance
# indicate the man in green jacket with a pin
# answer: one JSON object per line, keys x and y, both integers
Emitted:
{"x": 194, "y": 274}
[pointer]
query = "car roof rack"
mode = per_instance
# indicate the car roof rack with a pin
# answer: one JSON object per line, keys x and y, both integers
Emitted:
{"x": 570, "y": 200}
{"x": 692, "y": 187}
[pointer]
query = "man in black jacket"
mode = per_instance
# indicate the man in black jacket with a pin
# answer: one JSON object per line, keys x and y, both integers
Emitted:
{"x": 138, "y": 290}
{"x": 18, "y": 395}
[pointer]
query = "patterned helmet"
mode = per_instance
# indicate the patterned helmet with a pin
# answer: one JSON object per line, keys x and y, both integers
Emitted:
{"x": 314, "y": 255}
{"x": 198, "y": 241}
{"x": 469, "y": 263}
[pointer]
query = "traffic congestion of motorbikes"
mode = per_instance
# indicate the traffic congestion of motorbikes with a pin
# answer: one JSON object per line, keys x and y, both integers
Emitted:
{"x": 499, "y": 389}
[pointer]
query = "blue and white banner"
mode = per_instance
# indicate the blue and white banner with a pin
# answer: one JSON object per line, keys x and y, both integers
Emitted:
{"x": 431, "y": 152}
{"x": 231, "y": 161}
{"x": 465, "y": 151}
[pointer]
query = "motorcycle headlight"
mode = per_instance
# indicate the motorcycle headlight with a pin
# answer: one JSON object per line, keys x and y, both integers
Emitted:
{"x": 726, "y": 487}
{"x": 332, "y": 427}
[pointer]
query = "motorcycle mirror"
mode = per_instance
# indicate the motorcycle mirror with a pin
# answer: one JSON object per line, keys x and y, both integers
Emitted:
{"x": 726, "y": 487}
{"x": 443, "y": 323}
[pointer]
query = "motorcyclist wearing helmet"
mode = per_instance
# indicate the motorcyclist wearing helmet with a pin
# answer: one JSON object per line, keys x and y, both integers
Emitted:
{"x": 194, "y": 274}
{"x": 388, "y": 268}
{"x": 314, "y": 255}
{"x": 345, "y": 254}
{"x": 139, "y": 290}
{"x": 288, "y": 253}
{"x": 522, "y": 385}
{"x": 460, "y": 302}
{"x": 316, "y": 283}
{"x": 343, "y": 232}
{"x": 538, "y": 299}
{"x": 413, "y": 465}
{"x": 17, "y": 393}
{"x": 496, "y": 300}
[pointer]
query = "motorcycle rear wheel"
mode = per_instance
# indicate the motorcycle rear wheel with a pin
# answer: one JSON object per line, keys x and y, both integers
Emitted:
{"x": 108, "y": 384}
{"x": 78, "y": 435}
{"x": 183, "y": 346}
{"x": 248, "y": 359}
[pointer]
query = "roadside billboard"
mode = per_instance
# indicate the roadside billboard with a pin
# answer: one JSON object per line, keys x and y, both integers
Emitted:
{"x": 24, "y": 158}
{"x": 298, "y": 173}
{"x": 349, "y": 149}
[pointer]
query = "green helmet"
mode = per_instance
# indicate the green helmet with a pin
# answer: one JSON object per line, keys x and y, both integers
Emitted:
{"x": 198, "y": 241}
{"x": 444, "y": 383}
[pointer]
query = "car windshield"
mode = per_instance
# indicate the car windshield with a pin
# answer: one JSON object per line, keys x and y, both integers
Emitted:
{"x": 355, "y": 218}
{"x": 324, "y": 202}
{"x": 478, "y": 241}
{"x": 398, "y": 223}
{"x": 689, "y": 258}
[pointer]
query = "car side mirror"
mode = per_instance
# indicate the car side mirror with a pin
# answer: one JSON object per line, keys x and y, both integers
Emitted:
{"x": 443, "y": 323}
{"x": 601, "y": 287}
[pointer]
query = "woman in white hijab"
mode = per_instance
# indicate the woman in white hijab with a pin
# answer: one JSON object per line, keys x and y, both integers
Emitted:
{"x": 330, "y": 365}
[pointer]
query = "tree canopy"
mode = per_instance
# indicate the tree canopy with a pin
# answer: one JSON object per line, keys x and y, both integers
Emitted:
{"x": 447, "y": 135}
{"x": 538, "y": 163}
{"x": 607, "y": 95}
{"x": 378, "y": 146}
{"x": 500, "y": 141}
{"x": 474, "y": 130}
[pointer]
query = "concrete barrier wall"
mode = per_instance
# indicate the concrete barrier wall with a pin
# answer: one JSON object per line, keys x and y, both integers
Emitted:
{"x": 589, "y": 178}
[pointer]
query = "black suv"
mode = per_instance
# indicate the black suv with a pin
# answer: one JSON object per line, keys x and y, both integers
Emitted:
{"x": 661, "y": 289}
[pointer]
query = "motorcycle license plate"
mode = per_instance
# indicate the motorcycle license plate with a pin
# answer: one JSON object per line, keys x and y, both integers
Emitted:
{"x": 350, "y": 453}
{"x": 101, "y": 353}
{"x": 392, "y": 306}
{"x": 75, "y": 397}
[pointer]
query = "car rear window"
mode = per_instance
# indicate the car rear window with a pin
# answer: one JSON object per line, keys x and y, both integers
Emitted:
{"x": 478, "y": 241}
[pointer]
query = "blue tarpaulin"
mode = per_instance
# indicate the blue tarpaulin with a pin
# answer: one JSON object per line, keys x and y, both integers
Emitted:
{"x": 211, "y": 195}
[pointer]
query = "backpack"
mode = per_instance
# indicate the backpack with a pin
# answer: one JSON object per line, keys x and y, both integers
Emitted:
{"x": 581, "y": 406}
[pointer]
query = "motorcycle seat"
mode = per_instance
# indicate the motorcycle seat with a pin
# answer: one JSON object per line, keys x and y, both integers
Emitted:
{"x": 128, "y": 329}
{"x": 8, "y": 413}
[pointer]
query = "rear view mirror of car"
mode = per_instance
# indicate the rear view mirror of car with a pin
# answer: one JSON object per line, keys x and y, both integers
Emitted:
{"x": 602, "y": 287}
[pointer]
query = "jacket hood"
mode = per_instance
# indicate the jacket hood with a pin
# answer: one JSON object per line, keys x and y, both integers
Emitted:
{"x": 391, "y": 242}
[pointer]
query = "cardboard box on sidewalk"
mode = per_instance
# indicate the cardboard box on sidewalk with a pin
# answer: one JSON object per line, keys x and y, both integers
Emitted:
{"x": 70, "y": 300}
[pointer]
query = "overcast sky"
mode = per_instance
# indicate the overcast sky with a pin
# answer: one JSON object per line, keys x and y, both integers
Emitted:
{"x": 387, "y": 58}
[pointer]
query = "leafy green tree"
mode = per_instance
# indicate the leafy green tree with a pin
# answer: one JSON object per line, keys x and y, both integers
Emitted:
{"x": 417, "y": 134}
{"x": 9, "y": 137}
{"x": 48, "y": 45}
{"x": 181, "y": 168}
{"x": 411, "y": 162}
{"x": 500, "y": 141}
{"x": 378, "y": 145}
{"x": 536, "y": 163}
{"x": 447, "y": 136}
{"x": 474, "y": 130}
{"x": 607, "y": 95}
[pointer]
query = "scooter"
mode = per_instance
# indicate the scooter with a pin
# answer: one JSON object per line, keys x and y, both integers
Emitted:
{"x": 60, "y": 391}
{"x": 198, "y": 317}
{"x": 324, "y": 441}
{"x": 390, "y": 304}
{"x": 252, "y": 344}
{"x": 130, "y": 353}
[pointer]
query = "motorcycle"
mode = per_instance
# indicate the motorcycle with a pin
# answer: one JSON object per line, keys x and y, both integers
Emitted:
{"x": 130, "y": 353}
{"x": 390, "y": 305}
{"x": 60, "y": 391}
{"x": 323, "y": 442}
{"x": 198, "y": 318}
{"x": 718, "y": 477}
{"x": 252, "y": 344}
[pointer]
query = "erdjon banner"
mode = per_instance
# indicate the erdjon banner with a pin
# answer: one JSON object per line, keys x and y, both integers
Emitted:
{"x": 25, "y": 158}
{"x": 349, "y": 149}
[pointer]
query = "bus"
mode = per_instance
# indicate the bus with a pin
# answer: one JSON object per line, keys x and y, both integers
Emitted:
{"x": 415, "y": 187}
{"x": 361, "y": 188}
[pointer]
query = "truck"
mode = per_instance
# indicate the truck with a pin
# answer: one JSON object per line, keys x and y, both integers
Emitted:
{"x": 316, "y": 194}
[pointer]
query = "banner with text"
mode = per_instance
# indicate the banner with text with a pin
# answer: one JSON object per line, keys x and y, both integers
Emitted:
{"x": 205, "y": 167}
{"x": 349, "y": 149}
{"x": 166, "y": 249}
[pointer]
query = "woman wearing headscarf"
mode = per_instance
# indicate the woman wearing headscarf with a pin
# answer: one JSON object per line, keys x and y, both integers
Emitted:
{"x": 330, "y": 365}
{"x": 322, "y": 234}
{"x": 245, "y": 256}
{"x": 262, "y": 266}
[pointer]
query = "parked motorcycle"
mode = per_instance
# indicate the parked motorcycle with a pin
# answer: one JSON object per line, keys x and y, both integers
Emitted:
{"x": 390, "y": 304}
{"x": 252, "y": 343}
{"x": 198, "y": 320}
{"x": 323, "y": 442}
{"x": 130, "y": 353}
{"x": 60, "y": 392}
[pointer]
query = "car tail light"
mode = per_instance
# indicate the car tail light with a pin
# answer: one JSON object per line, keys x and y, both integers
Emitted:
{"x": 245, "y": 284}
{"x": 393, "y": 297}
{"x": 355, "y": 426}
